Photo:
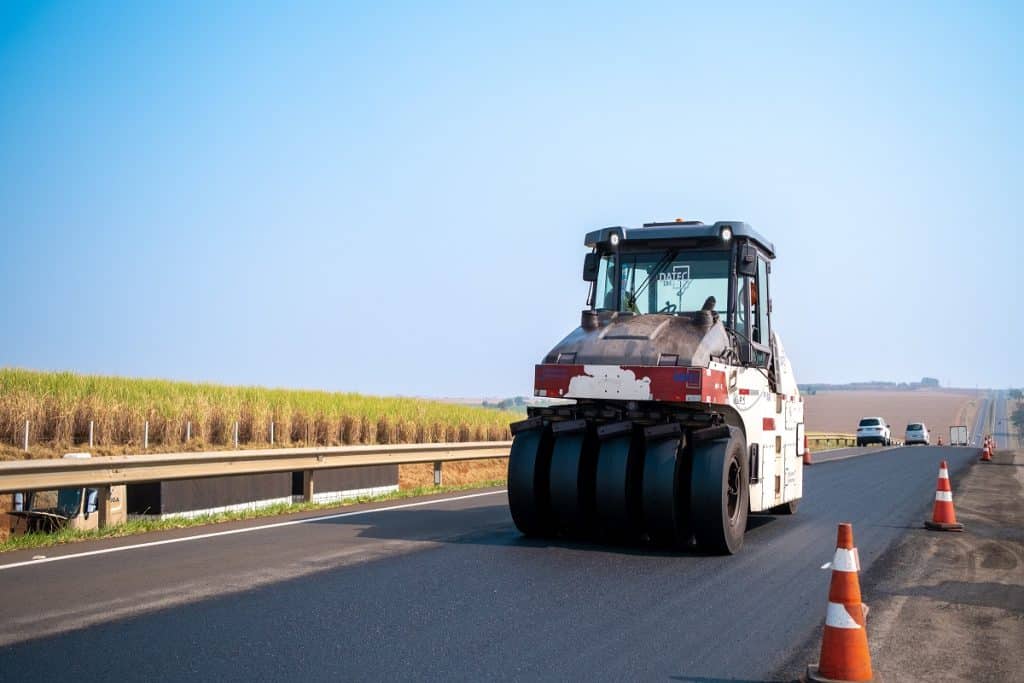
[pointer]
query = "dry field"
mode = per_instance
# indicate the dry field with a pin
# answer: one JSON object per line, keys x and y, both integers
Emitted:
{"x": 60, "y": 407}
{"x": 453, "y": 473}
{"x": 840, "y": 411}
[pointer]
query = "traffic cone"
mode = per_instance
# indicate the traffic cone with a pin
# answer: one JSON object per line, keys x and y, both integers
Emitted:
{"x": 940, "y": 440}
{"x": 844, "y": 643}
{"x": 986, "y": 454}
{"x": 808, "y": 460}
{"x": 943, "y": 514}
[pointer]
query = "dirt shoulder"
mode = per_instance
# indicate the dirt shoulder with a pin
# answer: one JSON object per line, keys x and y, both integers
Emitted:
{"x": 950, "y": 606}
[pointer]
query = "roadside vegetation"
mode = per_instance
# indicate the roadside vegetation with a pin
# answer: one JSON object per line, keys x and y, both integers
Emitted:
{"x": 140, "y": 525}
{"x": 59, "y": 407}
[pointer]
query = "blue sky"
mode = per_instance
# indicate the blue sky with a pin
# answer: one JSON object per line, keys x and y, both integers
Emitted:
{"x": 392, "y": 198}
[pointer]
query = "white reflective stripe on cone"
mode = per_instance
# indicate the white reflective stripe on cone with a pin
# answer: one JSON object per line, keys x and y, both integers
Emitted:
{"x": 845, "y": 561}
{"x": 944, "y": 496}
{"x": 838, "y": 617}
{"x": 943, "y": 473}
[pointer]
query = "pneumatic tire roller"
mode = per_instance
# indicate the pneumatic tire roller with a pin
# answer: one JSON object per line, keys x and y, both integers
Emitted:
{"x": 666, "y": 416}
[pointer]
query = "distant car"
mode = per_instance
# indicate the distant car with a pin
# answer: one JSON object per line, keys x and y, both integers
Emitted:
{"x": 917, "y": 433}
{"x": 874, "y": 430}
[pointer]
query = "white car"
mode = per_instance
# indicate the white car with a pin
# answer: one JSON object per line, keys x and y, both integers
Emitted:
{"x": 874, "y": 430}
{"x": 917, "y": 433}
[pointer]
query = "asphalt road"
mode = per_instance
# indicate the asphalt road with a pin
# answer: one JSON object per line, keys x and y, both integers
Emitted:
{"x": 450, "y": 590}
{"x": 980, "y": 427}
{"x": 1001, "y": 430}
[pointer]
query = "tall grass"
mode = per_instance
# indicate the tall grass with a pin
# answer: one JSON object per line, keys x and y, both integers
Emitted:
{"x": 60, "y": 406}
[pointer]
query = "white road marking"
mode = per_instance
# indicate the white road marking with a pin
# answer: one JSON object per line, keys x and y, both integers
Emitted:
{"x": 245, "y": 530}
{"x": 826, "y": 565}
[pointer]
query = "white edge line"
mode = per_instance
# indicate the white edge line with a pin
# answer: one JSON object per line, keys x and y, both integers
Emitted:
{"x": 229, "y": 532}
{"x": 826, "y": 565}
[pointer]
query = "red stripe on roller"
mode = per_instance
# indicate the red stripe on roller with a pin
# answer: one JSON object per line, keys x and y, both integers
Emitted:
{"x": 667, "y": 383}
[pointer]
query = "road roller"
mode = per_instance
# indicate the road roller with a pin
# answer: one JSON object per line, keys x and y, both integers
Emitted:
{"x": 671, "y": 413}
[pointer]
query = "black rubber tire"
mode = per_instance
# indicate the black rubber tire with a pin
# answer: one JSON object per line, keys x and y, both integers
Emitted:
{"x": 617, "y": 486}
{"x": 663, "y": 503}
{"x": 786, "y": 508}
{"x": 529, "y": 464}
{"x": 571, "y": 482}
{"x": 720, "y": 493}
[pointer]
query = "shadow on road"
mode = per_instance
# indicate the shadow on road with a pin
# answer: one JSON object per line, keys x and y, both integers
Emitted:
{"x": 490, "y": 525}
{"x": 702, "y": 679}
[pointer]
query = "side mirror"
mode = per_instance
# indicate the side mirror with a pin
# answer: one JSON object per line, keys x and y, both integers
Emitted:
{"x": 590, "y": 266}
{"x": 748, "y": 261}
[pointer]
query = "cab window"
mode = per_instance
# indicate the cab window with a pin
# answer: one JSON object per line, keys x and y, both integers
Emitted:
{"x": 762, "y": 335}
{"x": 744, "y": 286}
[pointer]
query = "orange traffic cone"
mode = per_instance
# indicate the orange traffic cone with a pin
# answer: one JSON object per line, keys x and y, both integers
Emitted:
{"x": 844, "y": 644}
{"x": 943, "y": 514}
{"x": 808, "y": 460}
{"x": 986, "y": 454}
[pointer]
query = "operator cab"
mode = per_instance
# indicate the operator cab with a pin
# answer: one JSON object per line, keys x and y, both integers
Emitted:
{"x": 708, "y": 273}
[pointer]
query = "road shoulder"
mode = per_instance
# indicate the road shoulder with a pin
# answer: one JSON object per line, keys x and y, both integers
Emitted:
{"x": 950, "y": 606}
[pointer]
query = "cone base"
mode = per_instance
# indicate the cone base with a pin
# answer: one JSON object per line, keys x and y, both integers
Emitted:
{"x": 814, "y": 676}
{"x": 942, "y": 526}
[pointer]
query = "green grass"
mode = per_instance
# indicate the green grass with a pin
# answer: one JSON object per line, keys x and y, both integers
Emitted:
{"x": 141, "y": 526}
{"x": 60, "y": 406}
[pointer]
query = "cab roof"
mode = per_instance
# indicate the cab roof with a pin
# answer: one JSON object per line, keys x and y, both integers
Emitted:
{"x": 677, "y": 230}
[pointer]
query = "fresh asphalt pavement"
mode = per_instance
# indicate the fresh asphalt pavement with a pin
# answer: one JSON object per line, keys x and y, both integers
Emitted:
{"x": 450, "y": 590}
{"x": 1001, "y": 421}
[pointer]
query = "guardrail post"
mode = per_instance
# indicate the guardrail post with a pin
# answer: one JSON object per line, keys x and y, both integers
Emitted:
{"x": 271, "y": 432}
{"x": 308, "y": 485}
{"x": 236, "y": 433}
{"x": 145, "y": 436}
{"x": 90, "y": 433}
{"x": 437, "y": 473}
{"x": 188, "y": 431}
{"x": 26, "y": 434}
{"x": 103, "y": 503}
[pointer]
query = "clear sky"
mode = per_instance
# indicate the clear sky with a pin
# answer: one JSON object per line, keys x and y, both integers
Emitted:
{"x": 392, "y": 198}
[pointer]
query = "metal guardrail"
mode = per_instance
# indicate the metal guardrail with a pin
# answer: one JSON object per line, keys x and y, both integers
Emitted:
{"x": 106, "y": 471}
{"x": 831, "y": 440}
{"x": 35, "y": 475}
